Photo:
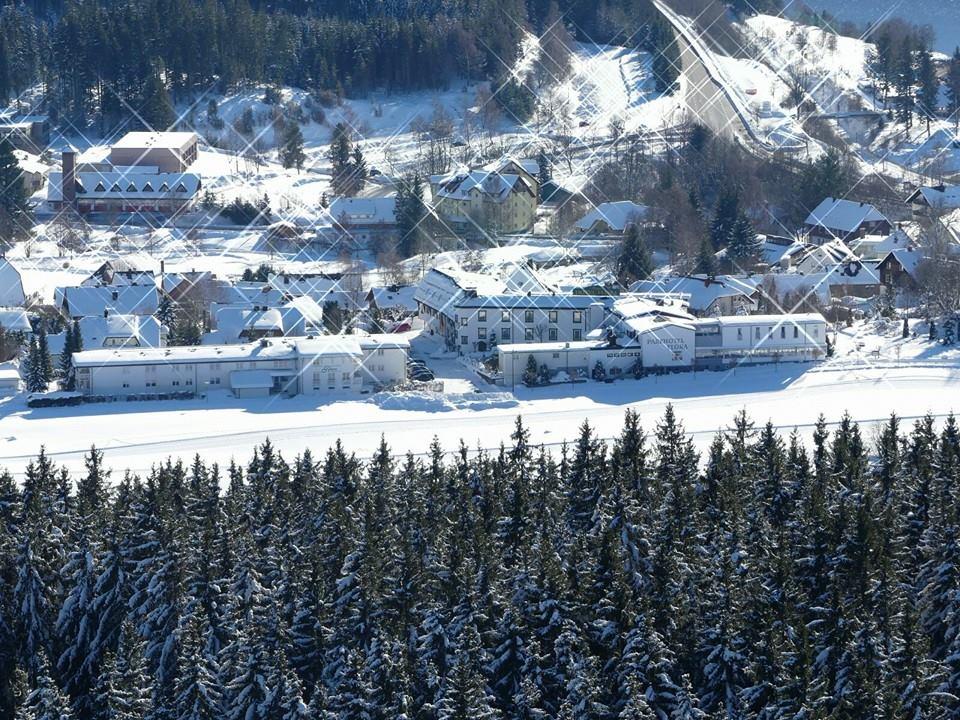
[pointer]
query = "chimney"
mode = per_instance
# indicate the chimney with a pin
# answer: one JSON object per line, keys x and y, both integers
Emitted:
{"x": 68, "y": 178}
{"x": 106, "y": 312}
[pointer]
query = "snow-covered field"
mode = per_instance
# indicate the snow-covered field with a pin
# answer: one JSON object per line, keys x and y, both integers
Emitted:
{"x": 911, "y": 377}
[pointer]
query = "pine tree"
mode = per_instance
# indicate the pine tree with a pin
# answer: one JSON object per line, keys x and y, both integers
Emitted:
{"x": 634, "y": 262}
{"x": 291, "y": 147}
{"x": 706, "y": 260}
{"x": 156, "y": 109}
{"x": 928, "y": 86}
{"x": 46, "y": 701}
{"x": 340, "y": 153}
{"x": 952, "y": 82}
{"x": 14, "y": 214}
{"x": 744, "y": 244}
{"x": 725, "y": 217}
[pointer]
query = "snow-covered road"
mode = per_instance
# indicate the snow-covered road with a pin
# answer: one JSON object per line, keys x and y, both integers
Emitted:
{"x": 136, "y": 435}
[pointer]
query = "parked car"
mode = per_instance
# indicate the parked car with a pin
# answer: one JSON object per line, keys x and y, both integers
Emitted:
{"x": 422, "y": 375}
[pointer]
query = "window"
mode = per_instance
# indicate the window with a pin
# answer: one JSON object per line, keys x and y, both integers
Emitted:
{"x": 481, "y": 333}
{"x": 463, "y": 322}
{"x": 553, "y": 316}
{"x": 464, "y": 340}
{"x": 757, "y": 334}
{"x": 577, "y": 335}
{"x": 528, "y": 316}
{"x": 181, "y": 188}
{"x": 482, "y": 315}
{"x": 189, "y": 382}
{"x": 505, "y": 315}
{"x": 151, "y": 384}
{"x": 126, "y": 385}
{"x": 164, "y": 188}
{"x": 556, "y": 356}
{"x": 147, "y": 187}
{"x": 816, "y": 332}
{"x": 552, "y": 334}
{"x": 528, "y": 334}
{"x": 577, "y": 316}
{"x": 115, "y": 188}
{"x": 214, "y": 381}
{"x": 100, "y": 188}
{"x": 131, "y": 188}
{"x": 783, "y": 331}
{"x": 505, "y": 333}
{"x": 379, "y": 351}
{"x": 796, "y": 331}
{"x": 739, "y": 333}
{"x": 176, "y": 383}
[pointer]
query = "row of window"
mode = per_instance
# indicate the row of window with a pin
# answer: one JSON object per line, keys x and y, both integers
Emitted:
{"x": 528, "y": 316}
{"x": 132, "y": 188}
{"x": 175, "y": 383}
{"x": 528, "y": 335}
{"x": 758, "y": 332}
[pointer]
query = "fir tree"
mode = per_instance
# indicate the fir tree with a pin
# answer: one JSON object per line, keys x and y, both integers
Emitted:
{"x": 634, "y": 262}
{"x": 291, "y": 147}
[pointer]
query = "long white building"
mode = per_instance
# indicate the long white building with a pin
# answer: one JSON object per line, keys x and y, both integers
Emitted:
{"x": 271, "y": 366}
{"x": 655, "y": 343}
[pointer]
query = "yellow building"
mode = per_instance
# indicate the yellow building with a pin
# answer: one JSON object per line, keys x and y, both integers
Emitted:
{"x": 484, "y": 201}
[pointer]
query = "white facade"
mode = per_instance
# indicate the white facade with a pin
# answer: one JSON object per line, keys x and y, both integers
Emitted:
{"x": 660, "y": 345}
{"x": 289, "y": 366}
{"x": 656, "y": 344}
{"x": 745, "y": 339}
{"x": 482, "y": 322}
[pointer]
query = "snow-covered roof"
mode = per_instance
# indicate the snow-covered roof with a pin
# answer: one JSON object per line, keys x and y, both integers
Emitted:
{"x": 299, "y": 316}
{"x": 634, "y": 306}
{"x": 940, "y": 197}
{"x": 617, "y": 215}
{"x": 314, "y": 348}
{"x": 394, "y": 297}
{"x": 843, "y": 215}
{"x": 909, "y": 259}
{"x": 11, "y": 287}
{"x": 542, "y": 302}
{"x": 116, "y": 300}
{"x": 127, "y": 184}
{"x": 493, "y": 185}
{"x": 701, "y": 291}
{"x": 31, "y": 163}
{"x": 139, "y": 140}
{"x": 828, "y": 255}
{"x": 131, "y": 330}
{"x": 363, "y": 211}
{"x": 741, "y": 320}
{"x": 15, "y": 320}
{"x": 548, "y": 346}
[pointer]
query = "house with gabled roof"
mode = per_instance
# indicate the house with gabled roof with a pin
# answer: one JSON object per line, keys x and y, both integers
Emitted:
{"x": 11, "y": 285}
{"x": 938, "y": 199}
{"x": 107, "y": 300}
{"x": 478, "y": 201}
{"x": 704, "y": 295}
{"x": 611, "y": 217}
{"x": 837, "y": 218}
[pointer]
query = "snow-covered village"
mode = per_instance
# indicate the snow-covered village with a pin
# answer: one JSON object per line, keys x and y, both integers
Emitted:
{"x": 498, "y": 360}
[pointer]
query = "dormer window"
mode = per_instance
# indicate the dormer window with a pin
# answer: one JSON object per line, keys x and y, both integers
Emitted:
{"x": 147, "y": 187}
{"x": 181, "y": 188}
{"x": 100, "y": 187}
{"x": 115, "y": 188}
{"x": 131, "y": 188}
{"x": 164, "y": 188}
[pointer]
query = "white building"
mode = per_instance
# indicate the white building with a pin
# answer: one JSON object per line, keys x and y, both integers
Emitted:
{"x": 484, "y": 321}
{"x": 11, "y": 285}
{"x": 282, "y": 366}
{"x": 749, "y": 339}
{"x": 113, "y": 331}
{"x": 611, "y": 217}
{"x": 232, "y": 324}
{"x": 652, "y": 343}
{"x": 719, "y": 295}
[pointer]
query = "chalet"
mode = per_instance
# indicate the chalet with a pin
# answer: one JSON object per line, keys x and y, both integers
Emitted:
{"x": 936, "y": 199}
{"x": 30, "y": 133}
{"x": 364, "y": 219}
{"x": 33, "y": 172}
{"x": 15, "y": 320}
{"x": 113, "y": 331}
{"x": 397, "y": 299}
{"x": 836, "y": 218}
{"x": 79, "y": 302}
{"x": 120, "y": 272}
{"x": 611, "y": 218}
{"x": 242, "y": 323}
{"x": 720, "y": 295}
{"x": 479, "y": 201}
{"x": 821, "y": 258}
{"x": 898, "y": 270}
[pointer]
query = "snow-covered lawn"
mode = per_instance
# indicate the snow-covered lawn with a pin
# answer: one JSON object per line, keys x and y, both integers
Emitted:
{"x": 925, "y": 378}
